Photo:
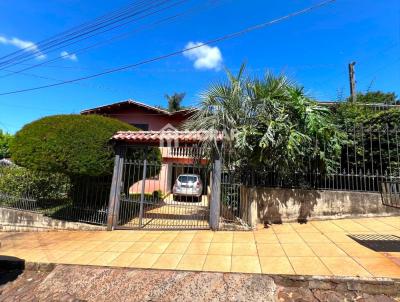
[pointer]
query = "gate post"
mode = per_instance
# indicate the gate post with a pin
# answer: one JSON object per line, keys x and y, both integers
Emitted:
{"x": 215, "y": 203}
{"x": 141, "y": 209}
{"x": 115, "y": 192}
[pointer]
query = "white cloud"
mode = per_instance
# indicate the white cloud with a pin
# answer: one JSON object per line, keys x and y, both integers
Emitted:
{"x": 69, "y": 56}
{"x": 204, "y": 57}
{"x": 27, "y": 46}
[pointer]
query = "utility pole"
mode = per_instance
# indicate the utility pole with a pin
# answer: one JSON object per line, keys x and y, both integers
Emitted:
{"x": 353, "y": 92}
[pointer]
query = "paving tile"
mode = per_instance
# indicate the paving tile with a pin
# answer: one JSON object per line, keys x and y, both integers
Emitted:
{"x": 103, "y": 246}
{"x": 298, "y": 250}
{"x": 282, "y": 228}
{"x": 344, "y": 266}
{"x": 326, "y": 226}
{"x": 177, "y": 248}
{"x": 304, "y": 228}
{"x": 203, "y": 237}
{"x": 70, "y": 257}
{"x": 382, "y": 267}
{"x": 244, "y": 249}
{"x": 327, "y": 250}
{"x": 223, "y": 237}
{"x": 138, "y": 247}
{"x": 220, "y": 249}
{"x": 184, "y": 237}
{"x": 167, "y": 261}
{"x": 270, "y": 250}
{"x": 52, "y": 256}
{"x": 243, "y": 237}
{"x": 86, "y": 258}
{"x": 245, "y": 264}
{"x": 338, "y": 237}
{"x": 105, "y": 258}
{"x": 276, "y": 265}
{"x": 264, "y": 237}
{"x": 168, "y": 236}
{"x": 350, "y": 226}
{"x": 309, "y": 266}
{"x": 314, "y": 238}
{"x": 149, "y": 237}
{"x": 217, "y": 263}
{"x": 195, "y": 248}
{"x": 191, "y": 262}
{"x": 124, "y": 259}
{"x": 145, "y": 260}
{"x": 356, "y": 250}
{"x": 120, "y": 247}
{"x": 289, "y": 238}
{"x": 156, "y": 247}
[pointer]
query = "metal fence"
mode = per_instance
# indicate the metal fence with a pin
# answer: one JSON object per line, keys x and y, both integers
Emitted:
{"x": 368, "y": 158}
{"x": 78, "y": 199}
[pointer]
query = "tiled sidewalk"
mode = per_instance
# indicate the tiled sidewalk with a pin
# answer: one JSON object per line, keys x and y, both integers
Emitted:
{"x": 315, "y": 248}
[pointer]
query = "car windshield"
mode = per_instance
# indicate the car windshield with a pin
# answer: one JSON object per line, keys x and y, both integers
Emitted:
{"x": 187, "y": 178}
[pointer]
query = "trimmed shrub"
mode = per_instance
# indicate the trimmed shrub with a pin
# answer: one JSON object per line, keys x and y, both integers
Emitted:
{"x": 69, "y": 144}
{"x": 21, "y": 182}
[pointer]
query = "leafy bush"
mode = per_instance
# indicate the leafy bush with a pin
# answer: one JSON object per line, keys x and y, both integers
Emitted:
{"x": 5, "y": 141}
{"x": 21, "y": 182}
{"x": 69, "y": 144}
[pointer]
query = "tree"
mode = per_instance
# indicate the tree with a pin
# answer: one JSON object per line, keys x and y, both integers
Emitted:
{"x": 347, "y": 113}
{"x": 77, "y": 145}
{"x": 377, "y": 97}
{"x": 174, "y": 101}
{"x": 275, "y": 126}
{"x": 5, "y": 141}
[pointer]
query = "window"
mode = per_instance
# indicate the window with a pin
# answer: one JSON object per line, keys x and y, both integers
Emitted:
{"x": 144, "y": 127}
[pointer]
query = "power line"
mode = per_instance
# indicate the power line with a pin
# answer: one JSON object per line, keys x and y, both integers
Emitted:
{"x": 107, "y": 41}
{"x": 213, "y": 41}
{"x": 61, "y": 44}
{"x": 40, "y": 43}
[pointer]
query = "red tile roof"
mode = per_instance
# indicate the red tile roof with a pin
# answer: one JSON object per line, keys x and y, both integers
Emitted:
{"x": 131, "y": 104}
{"x": 155, "y": 137}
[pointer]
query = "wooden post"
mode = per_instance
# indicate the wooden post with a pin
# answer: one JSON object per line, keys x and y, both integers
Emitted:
{"x": 353, "y": 92}
{"x": 215, "y": 202}
{"x": 115, "y": 192}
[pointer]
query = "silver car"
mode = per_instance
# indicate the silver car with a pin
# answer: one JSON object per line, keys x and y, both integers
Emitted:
{"x": 188, "y": 185}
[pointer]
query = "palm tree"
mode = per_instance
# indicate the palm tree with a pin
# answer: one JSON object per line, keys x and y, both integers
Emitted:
{"x": 174, "y": 101}
{"x": 268, "y": 123}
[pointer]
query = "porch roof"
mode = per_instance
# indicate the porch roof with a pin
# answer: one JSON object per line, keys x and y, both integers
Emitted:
{"x": 155, "y": 137}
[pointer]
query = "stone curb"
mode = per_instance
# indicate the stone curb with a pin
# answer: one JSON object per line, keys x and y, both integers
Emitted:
{"x": 368, "y": 285}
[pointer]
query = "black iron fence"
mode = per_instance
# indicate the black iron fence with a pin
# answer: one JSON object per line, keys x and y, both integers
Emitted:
{"x": 369, "y": 157}
{"x": 78, "y": 199}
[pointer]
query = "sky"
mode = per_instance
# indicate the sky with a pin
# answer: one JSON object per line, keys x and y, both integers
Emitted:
{"x": 313, "y": 50}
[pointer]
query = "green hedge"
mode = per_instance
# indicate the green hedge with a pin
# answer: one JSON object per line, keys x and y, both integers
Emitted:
{"x": 21, "y": 182}
{"x": 69, "y": 144}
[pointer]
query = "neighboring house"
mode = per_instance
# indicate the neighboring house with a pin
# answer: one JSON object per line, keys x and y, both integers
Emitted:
{"x": 149, "y": 118}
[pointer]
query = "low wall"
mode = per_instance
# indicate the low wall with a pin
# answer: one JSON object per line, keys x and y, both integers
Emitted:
{"x": 276, "y": 205}
{"x": 16, "y": 220}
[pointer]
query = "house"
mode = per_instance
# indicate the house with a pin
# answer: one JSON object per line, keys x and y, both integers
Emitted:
{"x": 142, "y": 116}
{"x": 175, "y": 160}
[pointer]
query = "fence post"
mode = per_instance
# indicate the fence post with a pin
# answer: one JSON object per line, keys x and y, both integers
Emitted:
{"x": 215, "y": 203}
{"x": 142, "y": 193}
{"x": 115, "y": 192}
